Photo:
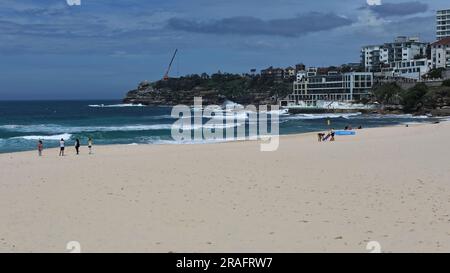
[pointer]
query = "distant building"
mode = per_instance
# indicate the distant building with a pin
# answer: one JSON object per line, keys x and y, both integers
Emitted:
{"x": 309, "y": 87}
{"x": 404, "y": 51}
{"x": 350, "y": 67}
{"x": 442, "y": 24}
{"x": 289, "y": 72}
{"x": 300, "y": 67}
{"x": 411, "y": 69}
{"x": 277, "y": 74}
{"x": 440, "y": 53}
{"x": 311, "y": 71}
{"x": 370, "y": 58}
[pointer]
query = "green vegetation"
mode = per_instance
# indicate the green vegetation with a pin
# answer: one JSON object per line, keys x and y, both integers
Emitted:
{"x": 435, "y": 73}
{"x": 418, "y": 98}
{"x": 446, "y": 83}
{"x": 232, "y": 86}
{"x": 412, "y": 98}
{"x": 389, "y": 93}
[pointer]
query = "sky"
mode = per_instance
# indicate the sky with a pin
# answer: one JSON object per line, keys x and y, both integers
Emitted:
{"x": 101, "y": 49}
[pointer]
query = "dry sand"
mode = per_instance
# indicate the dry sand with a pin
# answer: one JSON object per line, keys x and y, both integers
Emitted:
{"x": 391, "y": 185}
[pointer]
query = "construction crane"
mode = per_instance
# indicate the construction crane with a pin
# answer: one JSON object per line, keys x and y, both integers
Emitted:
{"x": 166, "y": 76}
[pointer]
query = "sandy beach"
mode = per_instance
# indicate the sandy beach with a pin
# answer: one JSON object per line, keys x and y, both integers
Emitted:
{"x": 390, "y": 185}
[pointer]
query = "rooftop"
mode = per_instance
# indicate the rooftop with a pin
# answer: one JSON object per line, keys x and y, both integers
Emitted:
{"x": 444, "y": 41}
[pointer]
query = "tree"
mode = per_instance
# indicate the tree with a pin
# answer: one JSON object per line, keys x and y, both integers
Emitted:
{"x": 412, "y": 98}
{"x": 435, "y": 73}
{"x": 388, "y": 93}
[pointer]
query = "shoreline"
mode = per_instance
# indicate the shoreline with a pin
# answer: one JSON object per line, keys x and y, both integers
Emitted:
{"x": 68, "y": 147}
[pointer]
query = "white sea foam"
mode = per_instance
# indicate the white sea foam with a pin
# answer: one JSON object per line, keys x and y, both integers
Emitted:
{"x": 53, "y": 137}
{"x": 159, "y": 117}
{"x": 59, "y": 129}
{"x": 116, "y": 105}
{"x": 55, "y": 128}
{"x": 397, "y": 116}
{"x": 319, "y": 116}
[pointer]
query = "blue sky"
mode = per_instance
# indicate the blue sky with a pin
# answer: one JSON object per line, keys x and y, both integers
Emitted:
{"x": 103, "y": 48}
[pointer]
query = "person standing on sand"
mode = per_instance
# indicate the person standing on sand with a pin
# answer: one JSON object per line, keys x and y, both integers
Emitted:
{"x": 90, "y": 145}
{"x": 40, "y": 147}
{"x": 61, "y": 147}
{"x": 77, "y": 146}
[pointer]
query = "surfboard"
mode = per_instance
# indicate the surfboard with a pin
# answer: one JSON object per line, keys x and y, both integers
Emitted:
{"x": 345, "y": 133}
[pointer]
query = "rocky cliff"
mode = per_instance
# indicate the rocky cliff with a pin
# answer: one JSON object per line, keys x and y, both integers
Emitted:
{"x": 149, "y": 95}
{"x": 213, "y": 90}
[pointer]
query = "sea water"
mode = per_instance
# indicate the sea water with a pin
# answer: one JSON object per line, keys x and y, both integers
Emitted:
{"x": 23, "y": 123}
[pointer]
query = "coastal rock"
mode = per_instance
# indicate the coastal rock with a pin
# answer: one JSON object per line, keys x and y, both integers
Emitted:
{"x": 148, "y": 95}
{"x": 214, "y": 90}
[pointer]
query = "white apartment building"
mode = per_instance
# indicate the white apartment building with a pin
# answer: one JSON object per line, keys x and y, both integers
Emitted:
{"x": 347, "y": 87}
{"x": 397, "y": 58}
{"x": 443, "y": 24}
{"x": 411, "y": 69}
{"x": 440, "y": 53}
{"x": 370, "y": 56}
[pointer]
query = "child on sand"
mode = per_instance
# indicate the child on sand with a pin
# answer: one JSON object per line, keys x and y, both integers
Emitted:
{"x": 61, "y": 147}
{"x": 40, "y": 147}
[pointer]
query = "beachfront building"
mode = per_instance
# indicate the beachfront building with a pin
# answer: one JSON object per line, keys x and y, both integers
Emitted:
{"x": 405, "y": 57}
{"x": 410, "y": 69}
{"x": 440, "y": 53}
{"x": 309, "y": 87}
{"x": 443, "y": 24}
{"x": 370, "y": 56}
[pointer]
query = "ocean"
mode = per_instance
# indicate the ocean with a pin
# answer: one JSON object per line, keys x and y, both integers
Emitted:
{"x": 23, "y": 123}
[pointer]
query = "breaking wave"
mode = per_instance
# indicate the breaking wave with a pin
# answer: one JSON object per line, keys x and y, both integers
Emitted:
{"x": 116, "y": 105}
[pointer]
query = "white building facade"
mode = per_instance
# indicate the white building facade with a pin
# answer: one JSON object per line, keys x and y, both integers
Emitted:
{"x": 370, "y": 56}
{"x": 443, "y": 24}
{"x": 411, "y": 69}
{"x": 405, "y": 57}
{"x": 440, "y": 53}
{"x": 348, "y": 87}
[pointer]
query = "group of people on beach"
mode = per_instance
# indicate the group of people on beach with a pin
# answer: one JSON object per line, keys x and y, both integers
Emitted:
{"x": 326, "y": 137}
{"x": 62, "y": 146}
{"x": 330, "y": 136}
{"x": 349, "y": 127}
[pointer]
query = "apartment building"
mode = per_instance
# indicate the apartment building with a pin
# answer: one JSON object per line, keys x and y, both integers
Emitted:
{"x": 273, "y": 73}
{"x": 370, "y": 56}
{"x": 309, "y": 87}
{"x": 397, "y": 57}
{"x": 442, "y": 24}
{"x": 411, "y": 69}
{"x": 440, "y": 53}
